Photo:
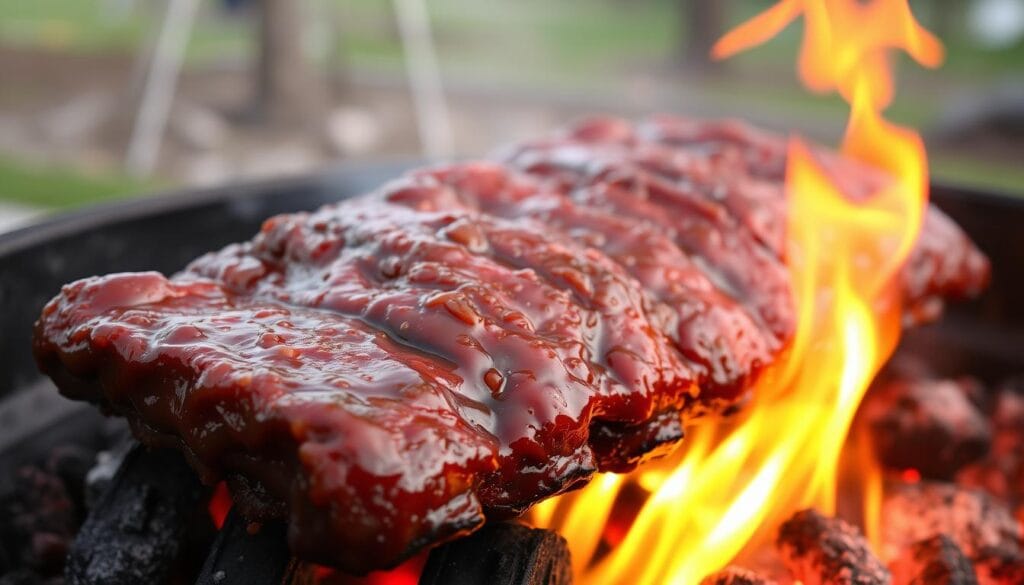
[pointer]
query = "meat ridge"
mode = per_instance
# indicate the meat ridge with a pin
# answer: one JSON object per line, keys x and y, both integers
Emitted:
{"x": 743, "y": 169}
{"x": 710, "y": 330}
{"x": 506, "y": 302}
{"x": 374, "y": 446}
{"x": 724, "y": 344}
{"x": 944, "y": 263}
{"x": 724, "y": 248}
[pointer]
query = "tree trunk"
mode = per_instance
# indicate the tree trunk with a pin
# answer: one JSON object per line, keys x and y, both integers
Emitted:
{"x": 287, "y": 90}
{"x": 704, "y": 20}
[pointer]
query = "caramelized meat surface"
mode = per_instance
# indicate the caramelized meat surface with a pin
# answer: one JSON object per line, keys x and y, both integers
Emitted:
{"x": 390, "y": 370}
{"x": 685, "y": 173}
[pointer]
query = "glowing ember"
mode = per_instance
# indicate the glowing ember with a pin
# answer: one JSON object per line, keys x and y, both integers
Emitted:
{"x": 408, "y": 573}
{"x": 219, "y": 505}
{"x": 735, "y": 481}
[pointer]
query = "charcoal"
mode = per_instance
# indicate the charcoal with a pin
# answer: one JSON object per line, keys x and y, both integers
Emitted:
{"x": 243, "y": 553}
{"x": 28, "y": 577}
{"x": 1000, "y": 566}
{"x": 933, "y": 561}
{"x": 101, "y": 474}
{"x": 904, "y": 366}
{"x": 992, "y": 474}
{"x": 1014, "y": 385}
{"x": 71, "y": 463}
{"x": 973, "y": 519}
{"x": 1008, "y": 409}
{"x": 138, "y": 527}
{"x": 928, "y": 425}
{"x": 1001, "y": 473}
{"x": 818, "y": 550}
{"x": 501, "y": 554}
{"x": 37, "y": 521}
{"x": 736, "y": 576}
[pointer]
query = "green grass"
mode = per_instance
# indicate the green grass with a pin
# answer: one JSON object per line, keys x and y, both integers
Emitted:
{"x": 557, "y": 38}
{"x": 959, "y": 170}
{"x": 87, "y": 26}
{"x": 581, "y": 44}
{"x": 61, "y": 188}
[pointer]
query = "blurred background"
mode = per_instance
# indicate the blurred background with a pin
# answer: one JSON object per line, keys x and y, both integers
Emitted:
{"x": 103, "y": 99}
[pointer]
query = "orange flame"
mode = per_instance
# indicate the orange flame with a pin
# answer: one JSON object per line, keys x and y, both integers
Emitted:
{"x": 733, "y": 482}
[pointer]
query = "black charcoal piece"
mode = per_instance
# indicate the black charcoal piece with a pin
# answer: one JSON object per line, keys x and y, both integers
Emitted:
{"x": 240, "y": 556}
{"x": 104, "y": 468}
{"x": 71, "y": 463}
{"x": 501, "y": 554}
{"x": 28, "y": 577}
{"x": 139, "y": 526}
{"x": 37, "y": 521}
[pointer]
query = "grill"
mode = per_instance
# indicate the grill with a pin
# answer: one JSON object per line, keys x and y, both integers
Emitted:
{"x": 149, "y": 523}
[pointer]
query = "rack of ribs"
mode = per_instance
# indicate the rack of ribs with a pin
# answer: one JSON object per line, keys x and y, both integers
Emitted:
{"x": 389, "y": 371}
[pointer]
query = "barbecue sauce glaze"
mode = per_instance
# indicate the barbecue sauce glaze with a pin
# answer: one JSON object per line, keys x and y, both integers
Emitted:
{"x": 388, "y": 371}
